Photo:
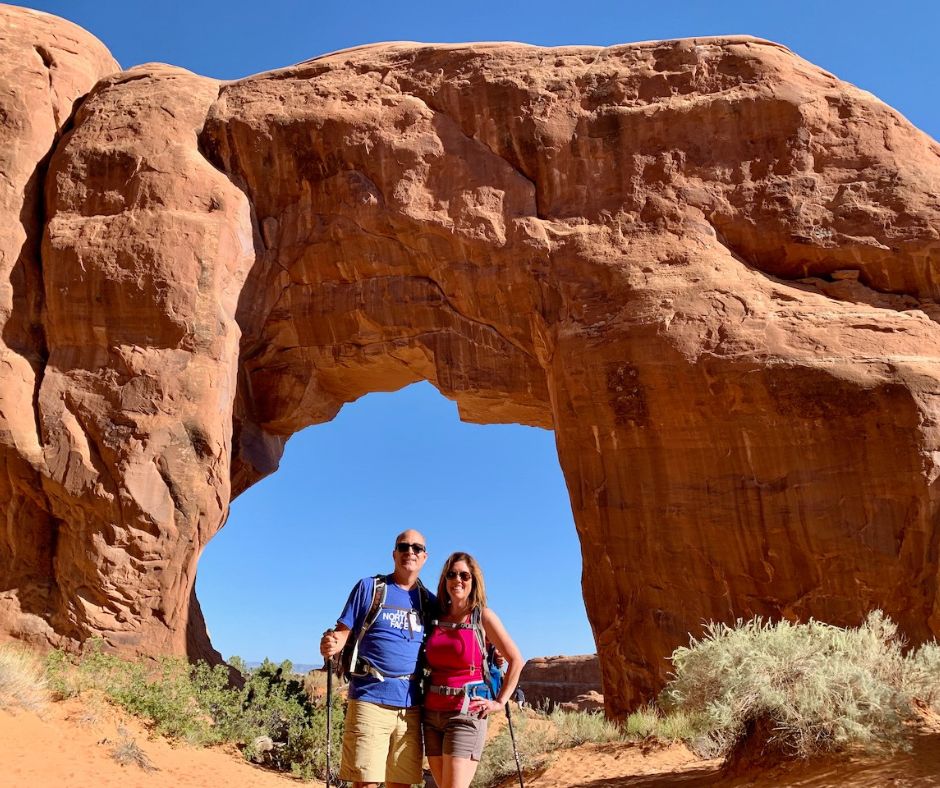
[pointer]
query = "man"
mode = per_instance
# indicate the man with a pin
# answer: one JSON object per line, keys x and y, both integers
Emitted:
{"x": 382, "y": 736}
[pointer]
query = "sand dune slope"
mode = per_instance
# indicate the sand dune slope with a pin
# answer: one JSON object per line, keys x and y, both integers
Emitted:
{"x": 71, "y": 745}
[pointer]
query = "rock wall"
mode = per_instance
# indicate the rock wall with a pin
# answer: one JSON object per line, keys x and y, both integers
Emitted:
{"x": 549, "y": 681}
{"x": 47, "y": 65}
{"x": 708, "y": 265}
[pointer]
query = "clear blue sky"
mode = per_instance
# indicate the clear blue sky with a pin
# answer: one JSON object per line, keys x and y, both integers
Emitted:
{"x": 279, "y": 571}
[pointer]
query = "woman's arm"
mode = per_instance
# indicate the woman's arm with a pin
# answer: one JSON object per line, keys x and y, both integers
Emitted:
{"x": 496, "y": 633}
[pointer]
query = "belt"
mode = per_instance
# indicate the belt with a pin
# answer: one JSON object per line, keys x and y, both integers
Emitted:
{"x": 450, "y": 691}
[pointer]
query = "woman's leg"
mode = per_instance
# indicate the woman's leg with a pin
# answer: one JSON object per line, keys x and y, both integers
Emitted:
{"x": 458, "y": 772}
{"x": 436, "y": 762}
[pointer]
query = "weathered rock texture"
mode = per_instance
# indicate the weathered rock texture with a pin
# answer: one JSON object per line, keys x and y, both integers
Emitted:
{"x": 46, "y": 65}
{"x": 708, "y": 265}
{"x": 547, "y": 681}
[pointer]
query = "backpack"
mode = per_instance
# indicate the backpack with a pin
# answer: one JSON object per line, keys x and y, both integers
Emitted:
{"x": 350, "y": 665}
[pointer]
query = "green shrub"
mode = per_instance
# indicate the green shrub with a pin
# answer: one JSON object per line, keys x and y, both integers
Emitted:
{"x": 818, "y": 687}
{"x": 276, "y": 705}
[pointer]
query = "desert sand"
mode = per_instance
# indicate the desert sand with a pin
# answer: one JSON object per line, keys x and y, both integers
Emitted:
{"x": 70, "y": 744}
{"x": 642, "y": 765}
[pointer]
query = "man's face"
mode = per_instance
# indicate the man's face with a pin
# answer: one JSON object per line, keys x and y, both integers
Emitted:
{"x": 410, "y": 560}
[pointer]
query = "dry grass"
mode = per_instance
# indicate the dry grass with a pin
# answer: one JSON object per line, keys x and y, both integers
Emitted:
{"x": 128, "y": 753}
{"x": 22, "y": 680}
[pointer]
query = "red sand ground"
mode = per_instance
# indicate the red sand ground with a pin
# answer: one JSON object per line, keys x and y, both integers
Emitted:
{"x": 70, "y": 746}
{"x": 636, "y": 766}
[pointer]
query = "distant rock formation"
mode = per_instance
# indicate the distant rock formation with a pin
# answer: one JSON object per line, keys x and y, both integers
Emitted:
{"x": 553, "y": 681}
{"x": 708, "y": 265}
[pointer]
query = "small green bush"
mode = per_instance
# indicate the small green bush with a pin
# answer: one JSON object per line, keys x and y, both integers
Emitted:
{"x": 275, "y": 704}
{"x": 819, "y": 687}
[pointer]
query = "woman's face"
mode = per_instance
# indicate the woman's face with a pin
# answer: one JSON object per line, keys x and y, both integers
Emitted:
{"x": 459, "y": 582}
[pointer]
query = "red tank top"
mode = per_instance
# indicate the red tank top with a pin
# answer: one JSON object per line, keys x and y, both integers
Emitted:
{"x": 455, "y": 659}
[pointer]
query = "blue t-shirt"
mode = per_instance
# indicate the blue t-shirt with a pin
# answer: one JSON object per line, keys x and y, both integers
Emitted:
{"x": 391, "y": 645}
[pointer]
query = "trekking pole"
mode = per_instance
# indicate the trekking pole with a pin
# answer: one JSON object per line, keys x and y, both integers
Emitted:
{"x": 515, "y": 752}
{"x": 328, "y": 664}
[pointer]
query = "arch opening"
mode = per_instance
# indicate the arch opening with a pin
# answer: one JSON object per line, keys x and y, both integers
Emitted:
{"x": 278, "y": 573}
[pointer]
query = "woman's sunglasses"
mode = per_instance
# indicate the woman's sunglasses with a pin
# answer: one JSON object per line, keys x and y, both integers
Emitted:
{"x": 453, "y": 575}
{"x": 404, "y": 547}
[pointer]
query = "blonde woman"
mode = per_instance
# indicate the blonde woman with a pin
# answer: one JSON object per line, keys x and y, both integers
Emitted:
{"x": 457, "y": 704}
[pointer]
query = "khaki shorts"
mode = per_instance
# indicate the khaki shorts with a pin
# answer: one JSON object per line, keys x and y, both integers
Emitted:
{"x": 453, "y": 733}
{"x": 381, "y": 744}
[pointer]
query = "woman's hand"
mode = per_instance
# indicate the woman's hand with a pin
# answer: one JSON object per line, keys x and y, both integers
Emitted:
{"x": 483, "y": 706}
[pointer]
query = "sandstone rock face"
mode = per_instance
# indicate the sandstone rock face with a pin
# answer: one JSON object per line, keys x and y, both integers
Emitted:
{"x": 708, "y": 265}
{"x": 46, "y": 66}
{"x": 548, "y": 681}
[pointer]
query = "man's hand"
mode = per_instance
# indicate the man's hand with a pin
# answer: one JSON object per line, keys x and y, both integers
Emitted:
{"x": 332, "y": 642}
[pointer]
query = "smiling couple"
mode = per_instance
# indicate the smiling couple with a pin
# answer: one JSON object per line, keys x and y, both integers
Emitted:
{"x": 399, "y": 633}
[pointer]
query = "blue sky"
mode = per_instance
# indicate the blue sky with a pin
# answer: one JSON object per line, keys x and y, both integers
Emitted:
{"x": 279, "y": 571}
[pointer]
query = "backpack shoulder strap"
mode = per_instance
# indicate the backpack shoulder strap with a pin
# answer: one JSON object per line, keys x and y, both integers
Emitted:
{"x": 476, "y": 623}
{"x": 379, "y": 590}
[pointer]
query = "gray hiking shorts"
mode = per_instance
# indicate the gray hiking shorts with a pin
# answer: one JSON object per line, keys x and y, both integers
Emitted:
{"x": 453, "y": 733}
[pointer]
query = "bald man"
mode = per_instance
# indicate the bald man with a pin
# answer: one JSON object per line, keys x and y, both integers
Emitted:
{"x": 382, "y": 734}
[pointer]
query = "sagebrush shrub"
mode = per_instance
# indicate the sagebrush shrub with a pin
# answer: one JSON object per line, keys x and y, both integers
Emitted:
{"x": 923, "y": 674}
{"x": 819, "y": 687}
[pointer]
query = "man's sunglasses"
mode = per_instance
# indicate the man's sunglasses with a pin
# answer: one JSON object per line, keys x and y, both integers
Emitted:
{"x": 453, "y": 574}
{"x": 404, "y": 547}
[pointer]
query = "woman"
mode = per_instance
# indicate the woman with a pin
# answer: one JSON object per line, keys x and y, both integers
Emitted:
{"x": 455, "y": 714}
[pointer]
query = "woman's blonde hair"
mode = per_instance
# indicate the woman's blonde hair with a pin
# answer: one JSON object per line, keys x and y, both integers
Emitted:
{"x": 477, "y": 590}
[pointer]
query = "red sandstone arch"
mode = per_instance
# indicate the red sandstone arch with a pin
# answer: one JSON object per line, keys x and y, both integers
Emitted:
{"x": 709, "y": 266}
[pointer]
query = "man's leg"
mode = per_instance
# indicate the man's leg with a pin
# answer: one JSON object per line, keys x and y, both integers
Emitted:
{"x": 405, "y": 752}
{"x": 366, "y": 735}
